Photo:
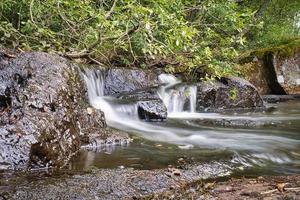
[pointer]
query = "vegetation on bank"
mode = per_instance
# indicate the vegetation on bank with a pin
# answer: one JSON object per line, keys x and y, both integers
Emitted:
{"x": 188, "y": 36}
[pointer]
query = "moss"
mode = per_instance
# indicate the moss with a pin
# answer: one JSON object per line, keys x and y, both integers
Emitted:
{"x": 287, "y": 48}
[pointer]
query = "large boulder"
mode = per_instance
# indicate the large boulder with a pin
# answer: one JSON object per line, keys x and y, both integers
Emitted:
{"x": 227, "y": 93}
{"x": 44, "y": 111}
{"x": 274, "y": 70}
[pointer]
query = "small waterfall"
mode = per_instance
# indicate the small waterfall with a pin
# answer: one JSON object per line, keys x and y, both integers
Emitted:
{"x": 193, "y": 98}
{"x": 177, "y": 98}
{"x": 94, "y": 80}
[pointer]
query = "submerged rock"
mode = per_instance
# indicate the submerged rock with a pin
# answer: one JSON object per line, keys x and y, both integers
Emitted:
{"x": 227, "y": 93}
{"x": 44, "y": 113}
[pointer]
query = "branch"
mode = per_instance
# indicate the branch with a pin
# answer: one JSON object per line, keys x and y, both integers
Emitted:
{"x": 82, "y": 54}
{"x": 257, "y": 15}
{"x": 8, "y": 55}
{"x": 110, "y": 12}
{"x": 30, "y": 10}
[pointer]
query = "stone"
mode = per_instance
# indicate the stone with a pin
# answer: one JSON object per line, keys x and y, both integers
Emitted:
{"x": 152, "y": 110}
{"x": 227, "y": 93}
{"x": 274, "y": 71}
{"x": 43, "y": 106}
{"x": 150, "y": 107}
{"x": 118, "y": 80}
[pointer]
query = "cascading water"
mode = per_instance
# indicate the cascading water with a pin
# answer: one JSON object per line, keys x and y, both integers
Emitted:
{"x": 177, "y": 99}
{"x": 250, "y": 146}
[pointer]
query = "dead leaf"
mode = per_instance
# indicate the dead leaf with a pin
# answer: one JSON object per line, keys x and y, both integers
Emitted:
{"x": 280, "y": 187}
{"x": 209, "y": 186}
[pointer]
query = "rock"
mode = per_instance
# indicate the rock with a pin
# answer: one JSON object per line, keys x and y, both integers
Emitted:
{"x": 280, "y": 98}
{"x": 44, "y": 113}
{"x": 227, "y": 93}
{"x": 152, "y": 110}
{"x": 275, "y": 70}
{"x": 174, "y": 171}
{"x": 150, "y": 107}
{"x": 139, "y": 95}
{"x": 119, "y": 80}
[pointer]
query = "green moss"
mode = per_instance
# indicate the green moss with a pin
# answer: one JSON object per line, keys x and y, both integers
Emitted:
{"x": 233, "y": 94}
{"x": 287, "y": 48}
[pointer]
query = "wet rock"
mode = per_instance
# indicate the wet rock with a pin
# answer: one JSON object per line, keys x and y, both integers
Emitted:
{"x": 234, "y": 123}
{"x": 280, "y": 98}
{"x": 97, "y": 143}
{"x": 139, "y": 95}
{"x": 43, "y": 108}
{"x": 152, "y": 110}
{"x": 119, "y": 80}
{"x": 227, "y": 93}
{"x": 149, "y": 106}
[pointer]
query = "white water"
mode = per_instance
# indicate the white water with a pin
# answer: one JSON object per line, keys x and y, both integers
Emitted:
{"x": 174, "y": 97}
{"x": 258, "y": 144}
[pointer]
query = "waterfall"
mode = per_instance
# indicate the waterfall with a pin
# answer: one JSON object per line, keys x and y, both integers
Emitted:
{"x": 94, "y": 80}
{"x": 177, "y": 98}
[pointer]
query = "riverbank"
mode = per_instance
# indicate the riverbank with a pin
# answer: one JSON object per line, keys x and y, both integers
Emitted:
{"x": 280, "y": 187}
{"x": 167, "y": 183}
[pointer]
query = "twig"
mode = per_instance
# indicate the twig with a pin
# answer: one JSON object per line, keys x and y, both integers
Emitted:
{"x": 95, "y": 61}
{"x": 69, "y": 23}
{"x": 292, "y": 189}
{"x": 30, "y": 10}
{"x": 82, "y": 54}
{"x": 285, "y": 189}
{"x": 8, "y": 55}
{"x": 269, "y": 191}
{"x": 110, "y": 12}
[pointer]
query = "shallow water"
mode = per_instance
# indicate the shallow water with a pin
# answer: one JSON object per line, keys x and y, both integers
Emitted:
{"x": 269, "y": 145}
{"x": 265, "y": 141}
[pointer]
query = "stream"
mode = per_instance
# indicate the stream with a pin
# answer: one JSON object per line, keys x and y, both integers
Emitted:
{"x": 257, "y": 142}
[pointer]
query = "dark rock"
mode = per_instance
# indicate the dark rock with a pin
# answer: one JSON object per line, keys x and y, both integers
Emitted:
{"x": 139, "y": 95}
{"x": 119, "y": 80}
{"x": 43, "y": 109}
{"x": 150, "y": 107}
{"x": 152, "y": 110}
{"x": 227, "y": 93}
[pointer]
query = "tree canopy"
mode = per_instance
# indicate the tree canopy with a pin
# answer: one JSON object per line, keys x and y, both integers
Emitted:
{"x": 180, "y": 35}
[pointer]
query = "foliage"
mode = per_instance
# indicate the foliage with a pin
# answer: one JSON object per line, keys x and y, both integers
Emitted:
{"x": 279, "y": 22}
{"x": 180, "y": 35}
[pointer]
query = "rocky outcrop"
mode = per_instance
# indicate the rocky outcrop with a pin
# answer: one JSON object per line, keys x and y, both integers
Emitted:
{"x": 44, "y": 111}
{"x": 275, "y": 70}
{"x": 227, "y": 93}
